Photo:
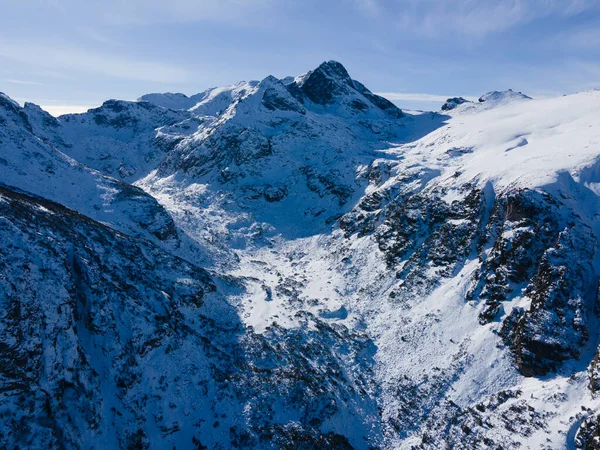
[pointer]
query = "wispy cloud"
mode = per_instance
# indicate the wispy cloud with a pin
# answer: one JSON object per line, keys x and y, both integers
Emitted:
{"x": 370, "y": 7}
{"x": 134, "y": 12}
{"x": 94, "y": 35}
{"x": 583, "y": 38}
{"x": 24, "y": 82}
{"x": 58, "y": 5}
{"x": 144, "y": 12}
{"x": 414, "y": 97}
{"x": 436, "y": 18}
{"x": 51, "y": 56}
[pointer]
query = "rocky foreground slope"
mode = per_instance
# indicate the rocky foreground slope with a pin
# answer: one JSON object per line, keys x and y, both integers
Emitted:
{"x": 297, "y": 263}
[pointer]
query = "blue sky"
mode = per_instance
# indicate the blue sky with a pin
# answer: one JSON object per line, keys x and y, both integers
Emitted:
{"x": 66, "y": 54}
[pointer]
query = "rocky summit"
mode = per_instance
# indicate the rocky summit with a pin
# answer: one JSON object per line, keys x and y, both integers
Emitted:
{"x": 297, "y": 263}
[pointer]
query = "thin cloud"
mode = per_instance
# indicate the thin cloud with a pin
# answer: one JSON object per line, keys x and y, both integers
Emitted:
{"x": 51, "y": 56}
{"x": 414, "y": 97}
{"x": 588, "y": 38}
{"x": 474, "y": 18}
{"x": 58, "y": 5}
{"x": 369, "y": 7}
{"x": 24, "y": 82}
{"x": 143, "y": 12}
{"x": 95, "y": 35}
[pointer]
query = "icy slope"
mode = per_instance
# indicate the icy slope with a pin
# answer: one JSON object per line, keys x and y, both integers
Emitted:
{"x": 522, "y": 143}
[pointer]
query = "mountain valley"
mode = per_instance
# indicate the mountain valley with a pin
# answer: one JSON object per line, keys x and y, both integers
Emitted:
{"x": 298, "y": 263}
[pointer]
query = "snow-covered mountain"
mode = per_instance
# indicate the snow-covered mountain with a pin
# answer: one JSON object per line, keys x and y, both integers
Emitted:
{"x": 32, "y": 160}
{"x": 297, "y": 263}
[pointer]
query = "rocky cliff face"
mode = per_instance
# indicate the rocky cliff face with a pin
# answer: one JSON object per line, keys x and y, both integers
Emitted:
{"x": 370, "y": 279}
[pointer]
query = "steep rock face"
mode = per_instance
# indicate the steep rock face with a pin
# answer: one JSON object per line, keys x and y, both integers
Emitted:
{"x": 522, "y": 226}
{"x": 537, "y": 244}
{"x": 528, "y": 241}
{"x": 588, "y": 434}
{"x": 329, "y": 81}
{"x": 556, "y": 326}
{"x": 533, "y": 284}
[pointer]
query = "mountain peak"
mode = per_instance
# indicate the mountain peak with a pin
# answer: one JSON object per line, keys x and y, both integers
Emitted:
{"x": 453, "y": 102}
{"x": 6, "y": 99}
{"x": 334, "y": 69}
{"x": 330, "y": 83}
{"x": 503, "y": 96}
{"x": 270, "y": 80}
{"x": 326, "y": 82}
{"x": 11, "y": 110}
